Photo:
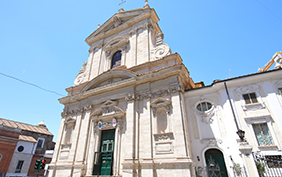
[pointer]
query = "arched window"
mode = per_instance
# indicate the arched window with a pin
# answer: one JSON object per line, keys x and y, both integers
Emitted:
{"x": 116, "y": 60}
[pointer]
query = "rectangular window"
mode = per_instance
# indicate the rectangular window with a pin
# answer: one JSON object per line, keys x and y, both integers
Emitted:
{"x": 280, "y": 91}
{"x": 250, "y": 98}
{"x": 19, "y": 166}
{"x": 262, "y": 134}
{"x": 40, "y": 142}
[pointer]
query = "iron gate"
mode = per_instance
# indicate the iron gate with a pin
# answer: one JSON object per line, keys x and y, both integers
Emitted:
{"x": 268, "y": 165}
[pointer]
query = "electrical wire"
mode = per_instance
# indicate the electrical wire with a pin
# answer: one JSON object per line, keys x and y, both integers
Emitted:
{"x": 46, "y": 90}
{"x": 269, "y": 10}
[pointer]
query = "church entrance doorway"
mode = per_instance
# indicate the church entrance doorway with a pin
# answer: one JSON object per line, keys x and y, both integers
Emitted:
{"x": 215, "y": 163}
{"x": 103, "y": 160}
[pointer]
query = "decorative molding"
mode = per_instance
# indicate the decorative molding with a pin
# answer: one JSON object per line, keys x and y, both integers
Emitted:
{"x": 143, "y": 95}
{"x": 161, "y": 49}
{"x": 83, "y": 68}
{"x": 211, "y": 142}
{"x": 161, "y": 103}
{"x": 250, "y": 89}
{"x": 175, "y": 88}
{"x": 130, "y": 97}
{"x": 69, "y": 122}
{"x": 65, "y": 113}
{"x": 164, "y": 136}
{"x": 87, "y": 107}
{"x": 164, "y": 148}
{"x": 206, "y": 116}
{"x": 245, "y": 148}
{"x": 108, "y": 53}
{"x": 160, "y": 93}
{"x": 258, "y": 119}
{"x": 116, "y": 21}
{"x": 132, "y": 32}
{"x": 79, "y": 78}
{"x": 64, "y": 153}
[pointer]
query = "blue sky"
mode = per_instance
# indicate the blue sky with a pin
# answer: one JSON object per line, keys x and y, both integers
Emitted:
{"x": 42, "y": 42}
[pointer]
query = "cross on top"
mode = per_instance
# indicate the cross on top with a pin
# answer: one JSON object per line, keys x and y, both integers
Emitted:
{"x": 122, "y": 2}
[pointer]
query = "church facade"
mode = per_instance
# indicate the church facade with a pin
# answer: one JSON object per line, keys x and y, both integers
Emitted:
{"x": 134, "y": 111}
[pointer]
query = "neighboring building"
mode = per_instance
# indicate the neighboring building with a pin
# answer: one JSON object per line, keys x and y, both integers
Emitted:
{"x": 134, "y": 111}
{"x": 23, "y": 154}
{"x": 31, "y": 145}
{"x": 9, "y": 138}
{"x": 256, "y": 109}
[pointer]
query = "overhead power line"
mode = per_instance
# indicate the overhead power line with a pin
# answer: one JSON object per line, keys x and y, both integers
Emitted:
{"x": 28, "y": 83}
{"x": 269, "y": 10}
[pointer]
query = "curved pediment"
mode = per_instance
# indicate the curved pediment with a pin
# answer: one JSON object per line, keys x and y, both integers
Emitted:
{"x": 116, "y": 42}
{"x": 116, "y": 76}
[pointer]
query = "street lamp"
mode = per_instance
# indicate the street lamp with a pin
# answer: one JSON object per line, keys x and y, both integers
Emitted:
{"x": 241, "y": 134}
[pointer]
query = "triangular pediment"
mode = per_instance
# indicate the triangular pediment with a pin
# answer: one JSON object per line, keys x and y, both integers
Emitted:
{"x": 120, "y": 20}
{"x": 110, "y": 78}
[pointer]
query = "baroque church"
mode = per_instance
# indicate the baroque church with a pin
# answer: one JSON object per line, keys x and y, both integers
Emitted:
{"x": 134, "y": 111}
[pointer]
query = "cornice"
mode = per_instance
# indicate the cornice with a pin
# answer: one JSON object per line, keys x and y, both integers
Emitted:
{"x": 175, "y": 70}
{"x": 256, "y": 78}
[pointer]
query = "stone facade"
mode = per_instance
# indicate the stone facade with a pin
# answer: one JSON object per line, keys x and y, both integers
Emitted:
{"x": 144, "y": 115}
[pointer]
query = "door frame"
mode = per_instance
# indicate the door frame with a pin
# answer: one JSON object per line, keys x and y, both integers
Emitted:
{"x": 226, "y": 159}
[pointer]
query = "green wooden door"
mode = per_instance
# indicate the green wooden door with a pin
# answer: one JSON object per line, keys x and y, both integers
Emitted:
{"x": 215, "y": 163}
{"x": 107, "y": 149}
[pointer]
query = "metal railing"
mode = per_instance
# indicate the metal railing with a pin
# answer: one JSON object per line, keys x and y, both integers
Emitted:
{"x": 268, "y": 165}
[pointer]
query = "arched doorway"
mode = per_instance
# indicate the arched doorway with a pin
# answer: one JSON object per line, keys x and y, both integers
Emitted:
{"x": 215, "y": 163}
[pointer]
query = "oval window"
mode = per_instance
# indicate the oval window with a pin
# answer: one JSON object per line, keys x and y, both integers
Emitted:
{"x": 204, "y": 106}
{"x": 20, "y": 148}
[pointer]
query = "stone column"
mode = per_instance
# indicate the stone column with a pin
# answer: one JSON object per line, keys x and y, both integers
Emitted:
{"x": 91, "y": 152}
{"x": 83, "y": 135}
{"x": 59, "y": 138}
{"x": 117, "y": 147}
{"x": 132, "y": 52}
{"x": 52, "y": 166}
{"x": 145, "y": 138}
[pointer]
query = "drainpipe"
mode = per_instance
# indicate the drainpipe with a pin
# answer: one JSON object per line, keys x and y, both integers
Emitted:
{"x": 240, "y": 132}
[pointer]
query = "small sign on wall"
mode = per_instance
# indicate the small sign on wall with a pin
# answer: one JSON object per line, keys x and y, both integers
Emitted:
{"x": 99, "y": 124}
{"x": 114, "y": 122}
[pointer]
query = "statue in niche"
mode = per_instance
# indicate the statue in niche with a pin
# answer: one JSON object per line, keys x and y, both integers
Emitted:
{"x": 162, "y": 124}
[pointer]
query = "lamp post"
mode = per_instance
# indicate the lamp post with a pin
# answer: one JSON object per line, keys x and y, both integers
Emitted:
{"x": 241, "y": 134}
